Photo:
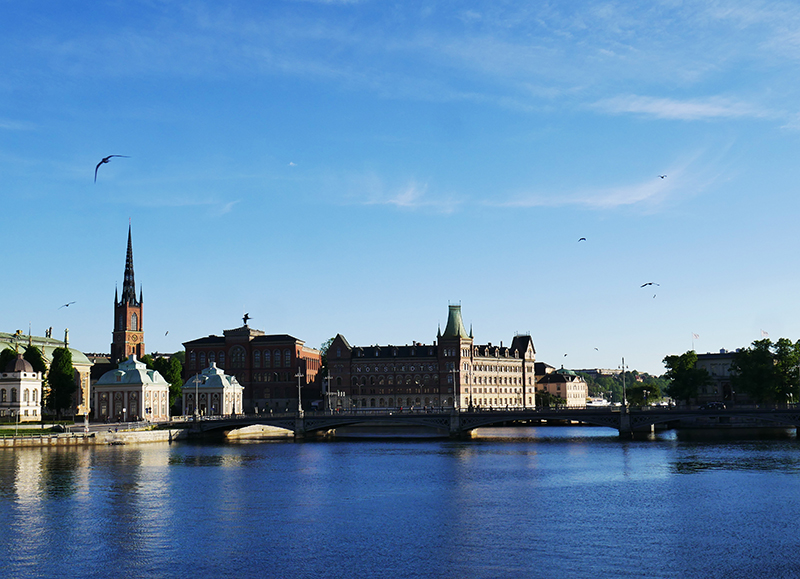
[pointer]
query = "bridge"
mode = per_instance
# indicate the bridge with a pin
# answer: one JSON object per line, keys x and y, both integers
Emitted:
{"x": 626, "y": 421}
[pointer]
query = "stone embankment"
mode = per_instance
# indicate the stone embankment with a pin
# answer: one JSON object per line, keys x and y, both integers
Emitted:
{"x": 92, "y": 438}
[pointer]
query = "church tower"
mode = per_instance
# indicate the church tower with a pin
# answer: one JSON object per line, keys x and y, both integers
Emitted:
{"x": 128, "y": 335}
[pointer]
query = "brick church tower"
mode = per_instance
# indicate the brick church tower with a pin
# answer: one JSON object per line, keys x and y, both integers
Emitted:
{"x": 128, "y": 335}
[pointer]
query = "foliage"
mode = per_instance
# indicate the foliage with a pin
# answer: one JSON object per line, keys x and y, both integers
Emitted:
{"x": 34, "y": 356}
{"x": 148, "y": 360}
{"x": 546, "y": 400}
{"x": 61, "y": 380}
{"x": 685, "y": 377}
{"x": 611, "y": 387}
{"x": 643, "y": 394}
{"x": 6, "y": 356}
{"x": 323, "y": 350}
{"x": 172, "y": 370}
{"x": 767, "y": 371}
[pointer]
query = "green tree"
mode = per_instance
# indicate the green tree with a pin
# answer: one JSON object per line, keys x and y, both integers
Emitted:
{"x": 61, "y": 379}
{"x": 323, "y": 350}
{"x": 546, "y": 400}
{"x": 6, "y": 356}
{"x": 767, "y": 372}
{"x": 148, "y": 360}
{"x": 685, "y": 377}
{"x": 34, "y": 356}
{"x": 172, "y": 371}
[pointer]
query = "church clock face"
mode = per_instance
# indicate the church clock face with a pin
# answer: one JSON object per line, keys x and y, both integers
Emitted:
{"x": 134, "y": 338}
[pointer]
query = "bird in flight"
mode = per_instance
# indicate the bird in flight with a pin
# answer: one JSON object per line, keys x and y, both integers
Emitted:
{"x": 105, "y": 160}
{"x": 663, "y": 176}
{"x": 167, "y": 332}
{"x": 582, "y": 239}
{"x": 649, "y": 283}
{"x": 68, "y": 304}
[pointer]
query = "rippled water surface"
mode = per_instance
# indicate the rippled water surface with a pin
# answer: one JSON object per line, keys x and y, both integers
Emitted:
{"x": 535, "y": 502}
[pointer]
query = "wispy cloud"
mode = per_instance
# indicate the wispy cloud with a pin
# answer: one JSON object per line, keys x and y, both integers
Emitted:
{"x": 689, "y": 110}
{"x": 10, "y": 125}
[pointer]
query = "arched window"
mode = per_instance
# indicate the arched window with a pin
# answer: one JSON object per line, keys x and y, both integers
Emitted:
{"x": 134, "y": 322}
{"x": 35, "y": 396}
{"x": 13, "y": 395}
{"x": 211, "y": 358}
{"x": 257, "y": 359}
{"x": 26, "y": 395}
{"x": 277, "y": 358}
{"x": 267, "y": 359}
{"x": 287, "y": 358}
{"x": 3, "y": 395}
{"x": 222, "y": 358}
{"x": 237, "y": 357}
{"x": 202, "y": 359}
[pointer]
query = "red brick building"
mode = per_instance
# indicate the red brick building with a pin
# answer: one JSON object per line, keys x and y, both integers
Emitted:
{"x": 265, "y": 365}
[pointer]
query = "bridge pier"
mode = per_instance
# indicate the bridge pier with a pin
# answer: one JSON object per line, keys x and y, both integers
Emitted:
{"x": 625, "y": 429}
{"x": 300, "y": 426}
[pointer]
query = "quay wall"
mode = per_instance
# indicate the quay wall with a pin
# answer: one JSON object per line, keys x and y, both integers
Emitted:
{"x": 92, "y": 438}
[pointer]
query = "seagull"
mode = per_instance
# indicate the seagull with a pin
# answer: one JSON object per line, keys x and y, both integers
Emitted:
{"x": 167, "y": 332}
{"x": 66, "y": 305}
{"x": 582, "y": 239}
{"x": 245, "y": 318}
{"x": 649, "y": 283}
{"x": 105, "y": 160}
{"x": 663, "y": 176}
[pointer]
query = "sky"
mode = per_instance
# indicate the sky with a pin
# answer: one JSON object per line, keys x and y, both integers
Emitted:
{"x": 355, "y": 167}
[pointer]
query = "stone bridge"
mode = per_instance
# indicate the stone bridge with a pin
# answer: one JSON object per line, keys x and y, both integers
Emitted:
{"x": 456, "y": 424}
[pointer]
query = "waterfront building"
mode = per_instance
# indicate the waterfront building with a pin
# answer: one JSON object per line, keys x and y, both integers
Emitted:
{"x": 131, "y": 392}
{"x": 81, "y": 364}
{"x": 719, "y": 389}
{"x": 128, "y": 335}
{"x": 567, "y": 385}
{"x": 268, "y": 367}
{"x": 216, "y": 393}
{"x": 452, "y": 372}
{"x": 21, "y": 391}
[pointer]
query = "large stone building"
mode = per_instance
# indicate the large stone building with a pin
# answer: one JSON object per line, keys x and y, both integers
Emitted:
{"x": 267, "y": 366}
{"x": 21, "y": 391}
{"x": 567, "y": 385}
{"x": 452, "y": 372}
{"x": 81, "y": 364}
{"x": 131, "y": 392}
{"x": 212, "y": 393}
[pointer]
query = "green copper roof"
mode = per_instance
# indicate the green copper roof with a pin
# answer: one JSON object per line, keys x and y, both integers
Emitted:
{"x": 455, "y": 327}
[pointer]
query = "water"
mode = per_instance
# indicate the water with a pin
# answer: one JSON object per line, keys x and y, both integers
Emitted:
{"x": 537, "y": 502}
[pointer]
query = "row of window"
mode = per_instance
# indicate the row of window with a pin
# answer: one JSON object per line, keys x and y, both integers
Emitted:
{"x": 27, "y": 395}
{"x": 267, "y": 358}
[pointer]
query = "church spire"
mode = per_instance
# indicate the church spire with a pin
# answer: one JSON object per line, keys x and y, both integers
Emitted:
{"x": 129, "y": 284}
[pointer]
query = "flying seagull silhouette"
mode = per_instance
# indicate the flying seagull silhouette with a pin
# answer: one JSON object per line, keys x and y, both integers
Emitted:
{"x": 663, "y": 176}
{"x": 66, "y": 305}
{"x": 105, "y": 160}
{"x": 582, "y": 239}
{"x": 649, "y": 283}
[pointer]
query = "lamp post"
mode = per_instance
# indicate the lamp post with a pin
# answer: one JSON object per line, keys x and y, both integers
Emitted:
{"x": 456, "y": 388}
{"x": 624, "y": 392}
{"x": 196, "y": 395}
{"x": 299, "y": 392}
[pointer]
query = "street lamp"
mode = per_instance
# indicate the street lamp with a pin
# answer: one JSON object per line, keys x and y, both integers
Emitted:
{"x": 299, "y": 392}
{"x": 196, "y": 395}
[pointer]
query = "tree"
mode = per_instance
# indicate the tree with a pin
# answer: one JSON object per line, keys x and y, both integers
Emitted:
{"x": 685, "y": 377}
{"x": 767, "y": 372}
{"x": 323, "y": 350}
{"x": 172, "y": 371}
{"x": 61, "y": 379}
{"x": 6, "y": 356}
{"x": 545, "y": 400}
{"x": 34, "y": 356}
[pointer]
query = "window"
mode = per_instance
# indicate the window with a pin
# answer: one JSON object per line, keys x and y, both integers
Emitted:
{"x": 277, "y": 358}
{"x": 237, "y": 357}
{"x": 222, "y": 358}
{"x": 267, "y": 359}
{"x": 202, "y": 359}
{"x": 257, "y": 359}
{"x": 134, "y": 322}
{"x": 287, "y": 358}
{"x": 3, "y": 397}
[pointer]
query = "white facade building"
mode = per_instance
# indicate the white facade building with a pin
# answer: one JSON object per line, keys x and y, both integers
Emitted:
{"x": 131, "y": 392}
{"x": 218, "y": 393}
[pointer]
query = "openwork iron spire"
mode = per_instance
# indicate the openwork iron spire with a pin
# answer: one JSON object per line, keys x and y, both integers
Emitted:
{"x": 129, "y": 284}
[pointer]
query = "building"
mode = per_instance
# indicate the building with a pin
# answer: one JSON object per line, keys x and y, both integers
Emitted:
{"x": 131, "y": 393}
{"x": 718, "y": 366}
{"x": 128, "y": 335}
{"x": 46, "y": 345}
{"x": 452, "y": 372}
{"x": 270, "y": 368}
{"x": 21, "y": 391}
{"x": 217, "y": 393}
{"x": 567, "y": 385}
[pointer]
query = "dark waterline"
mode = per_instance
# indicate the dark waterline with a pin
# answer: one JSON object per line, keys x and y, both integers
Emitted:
{"x": 534, "y": 502}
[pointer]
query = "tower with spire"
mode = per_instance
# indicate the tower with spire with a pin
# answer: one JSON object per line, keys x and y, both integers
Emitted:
{"x": 128, "y": 335}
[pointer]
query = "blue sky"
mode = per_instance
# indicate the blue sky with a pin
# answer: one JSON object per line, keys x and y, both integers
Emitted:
{"x": 353, "y": 167}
